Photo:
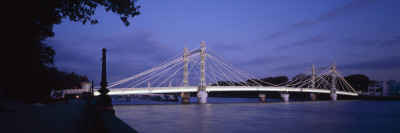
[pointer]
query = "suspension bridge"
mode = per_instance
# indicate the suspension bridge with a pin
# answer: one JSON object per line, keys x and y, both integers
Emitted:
{"x": 201, "y": 72}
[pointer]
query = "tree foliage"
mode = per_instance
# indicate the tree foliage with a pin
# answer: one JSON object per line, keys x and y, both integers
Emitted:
{"x": 276, "y": 80}
{"x": 358, "y": 81}
{"x": 254, "y": 82}
{"x": 26, "y": 62}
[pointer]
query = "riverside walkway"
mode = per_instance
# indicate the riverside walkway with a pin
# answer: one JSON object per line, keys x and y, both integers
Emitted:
{"x": 57, "y": 118}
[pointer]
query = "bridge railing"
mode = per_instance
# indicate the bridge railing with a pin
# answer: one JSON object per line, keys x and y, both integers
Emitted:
{"x": 150, "y": 90}
{"x": 146, "y": 90}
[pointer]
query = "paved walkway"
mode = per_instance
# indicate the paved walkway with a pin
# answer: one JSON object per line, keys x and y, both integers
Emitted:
{"x": 58, "y": 118}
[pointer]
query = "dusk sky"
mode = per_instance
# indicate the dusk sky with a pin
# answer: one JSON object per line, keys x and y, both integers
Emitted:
{"x": 264, "y": 38}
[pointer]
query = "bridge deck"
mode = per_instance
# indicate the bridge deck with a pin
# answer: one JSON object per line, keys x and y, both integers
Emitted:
{"x": 127, "y": 91}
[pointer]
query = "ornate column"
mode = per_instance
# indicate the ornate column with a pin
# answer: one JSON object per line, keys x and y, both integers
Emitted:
{"x": 91, "y": 90}
{"x": 202, "y": 94}
{"x": 313, "y": 96}
{"x": 185, "y": 96}
{"x": 103, "y": 101}
{"x": 333, "y": 89}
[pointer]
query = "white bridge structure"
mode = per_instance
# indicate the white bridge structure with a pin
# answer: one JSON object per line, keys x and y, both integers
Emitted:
{"x": 196, "y": 67}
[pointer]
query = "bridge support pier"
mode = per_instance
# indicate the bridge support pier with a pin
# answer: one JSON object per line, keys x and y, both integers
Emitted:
{"x": 202, "y": 97}
{"x": 333, "y": 97}
{"x": 262, "y": 97}
{"x": 285, "y": 96}
{"x": 185, "y": 97}
{"x": 313, "y": 96}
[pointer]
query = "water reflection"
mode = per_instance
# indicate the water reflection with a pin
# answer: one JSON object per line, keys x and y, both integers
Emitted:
{"x": 317, "y": 116}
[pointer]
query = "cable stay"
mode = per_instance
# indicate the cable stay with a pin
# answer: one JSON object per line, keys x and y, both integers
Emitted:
{"x": 184, "y": 70}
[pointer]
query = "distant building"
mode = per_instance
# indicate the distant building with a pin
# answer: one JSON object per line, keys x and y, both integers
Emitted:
{"x": 382, "y": 88}
{"x": 397, "y": 90}
{"x": 376, "y": 88}
{"x": 392, "y": 87}
{"x": 86, "y": 86}
{"x": 61, "y": 94}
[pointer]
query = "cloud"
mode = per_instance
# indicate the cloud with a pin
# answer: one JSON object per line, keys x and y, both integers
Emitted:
{"x": 392, "y": 42}
{"x": 304, "y": 23}
{"x": 70, "y": 56}
{"x": 360, "y": 42}
{"x": 140, "y": 45}
{"x": 227, "y": 47}
{"x": 387, "y": 63}
{"x": 316, "y": 39}
{"x": 291, "y": 67}
{"x": 127, "y": 54}
{"x": 371, "y": 42}
{"x": 276, "y": 34}
{"x": 265, "y": 60}
{"x": 341, "y": 10}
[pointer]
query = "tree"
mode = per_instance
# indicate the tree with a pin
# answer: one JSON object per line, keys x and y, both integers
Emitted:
{"x": 276, "y": 80}
{"x": 358, "y": 82}
{"x": 299, "y": 79}
{"x": 223, "y": 83}
{"x": 25, "y": 61}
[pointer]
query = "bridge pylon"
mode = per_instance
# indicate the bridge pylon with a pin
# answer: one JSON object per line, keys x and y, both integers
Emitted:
{"x": 313, "y": 96}
{"x": 333, "y": 89}
{"x": 185, "y": 96}
{"x": 202, "y": 93}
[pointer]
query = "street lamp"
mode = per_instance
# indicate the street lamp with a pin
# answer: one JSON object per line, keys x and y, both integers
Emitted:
{"x": 103, "y": 101}
{"x": 77, "y": 98}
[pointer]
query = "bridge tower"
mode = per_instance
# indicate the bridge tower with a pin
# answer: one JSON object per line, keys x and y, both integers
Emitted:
{"x": 202, "y": 93}
{"x": 313, "y": 96}
{"x": 333, "y": 89}
{"x": 185, "y": 96}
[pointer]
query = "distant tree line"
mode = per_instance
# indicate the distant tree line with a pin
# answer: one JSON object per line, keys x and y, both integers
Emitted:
{"x": 39, "y": 85}
{"x": 254, "y": 82}
{"x": 357, "y": 81}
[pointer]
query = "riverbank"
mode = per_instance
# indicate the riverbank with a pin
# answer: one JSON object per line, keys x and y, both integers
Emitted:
{"x": 367, "y": 97}
{"x": 20, "y": 117}
{"x": 75, "y": 116}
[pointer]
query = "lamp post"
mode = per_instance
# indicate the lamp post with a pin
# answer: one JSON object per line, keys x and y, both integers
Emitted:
{"x": 103, "y": 101}
{"x": 77, "y": 98}
{"x": 91, "y": 90}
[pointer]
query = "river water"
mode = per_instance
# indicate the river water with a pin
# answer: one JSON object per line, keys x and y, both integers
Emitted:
{"x": 238, "y": 115}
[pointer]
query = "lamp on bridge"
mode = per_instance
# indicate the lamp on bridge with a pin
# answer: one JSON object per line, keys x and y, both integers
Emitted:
{"x": 103, "y": 101}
